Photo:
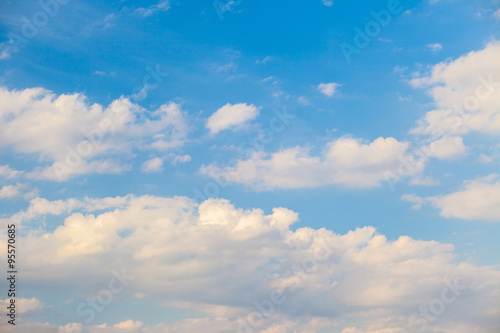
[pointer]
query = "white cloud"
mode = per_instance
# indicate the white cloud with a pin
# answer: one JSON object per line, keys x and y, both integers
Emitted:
{"x": 176, "y": 159}
{"x": 7, "y": 172}
{"x": 230, "y": 67}
{"x": 24, "y": 305}
{"x": 264, "y": 61}
{"x": 345, "y": 161}
{"x": 328, "y": 89}
{"x": 478, "y": 200}
{"x": 152, "y": 165}
{"x": 424, "y": 181}
{"x": 302, "y": 100}
{"x": 494, "y": 154}
{"x": 466, "y": 92}
{"x": 40, "y": 207}
{"x": 161, "y": 6}
{"x": 11, "y": 191}
{"x": 447, "y": 147}
{"x": 418, "y": 201}
{"x": 436, "y": 47}
{"x": 105, "y": 73}
{"x": 5, "y": 50}
{"x": 230, "y": 116}
{"x": 74, "y": 135}
{"x": 234, "y": 257}
{"x": 497, "y": 14}
{"x": 128, "y": 325}
{"x": 327, "y": 3}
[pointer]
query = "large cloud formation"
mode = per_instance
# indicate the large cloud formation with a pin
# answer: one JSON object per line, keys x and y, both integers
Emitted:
{"x": 466, "y": 93}
{"x": 73, "y": 137}
{"x": 236, "y": 270}
{"x": 478, "y": 200}
{"x": 345, "y": 161}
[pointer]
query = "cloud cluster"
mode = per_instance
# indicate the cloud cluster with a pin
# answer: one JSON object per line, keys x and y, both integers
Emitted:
{"x": 7, "y": 172}
{"x": 74, "y": 137}
{"x": 466, "y": 92}
{"x": 227, "y": 263}
{"x": 346, "y": 161}
{"x": 478, "y": 200}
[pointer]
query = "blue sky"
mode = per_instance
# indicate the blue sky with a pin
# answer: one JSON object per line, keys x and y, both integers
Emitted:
{"x": 233, "y": 107}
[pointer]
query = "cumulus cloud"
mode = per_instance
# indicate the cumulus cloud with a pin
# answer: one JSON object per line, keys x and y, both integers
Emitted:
{"x": 225, "y": 262}
{"x": 40, "y": 207}
{"x": 24, "y": 305}
{"x": 152, "y": 165}
{"x": 73, "y": 136}
{"x": 345, "y": 161}
{"x": 7, "y": 172}
{"x": 466, "y": 92}
{"x": 478, "y": 200}
{"x": 328, "y": 89}
{"x": 231, "y": 116}
{"x": 447, "y": 147}
{"x": 11, "y": 191}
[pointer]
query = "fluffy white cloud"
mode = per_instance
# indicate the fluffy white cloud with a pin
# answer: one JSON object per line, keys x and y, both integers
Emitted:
{"x": 230, "y": 116}
{"x": 152, "y": 165}
{"x": 74, "y": 135}
{"x": 226, "y": 262}
{"x": 479, "y": 200}
{"x": 24, "y": 305}
{"x": 7, "y": 172}
{"x": 328, "y": 89}
{"x": 344, "y": 161}
{"x": 176, "y": 159}
{"x": 40, "y": 207}
{"x": 447, "y": 147}
{"x": 11, "y": 191}
{"x": 466, "y": 92}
